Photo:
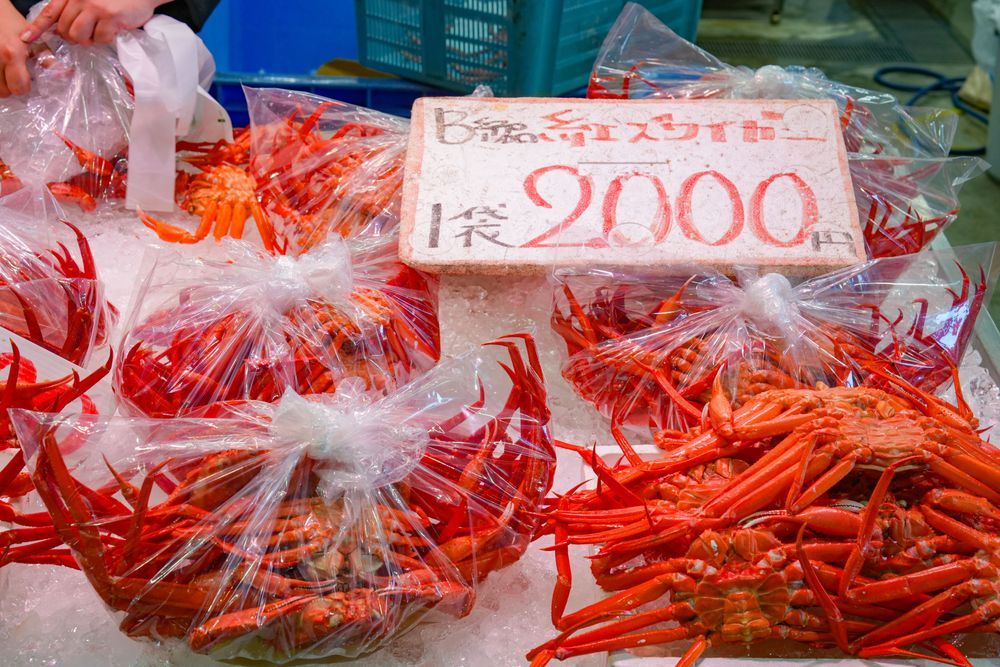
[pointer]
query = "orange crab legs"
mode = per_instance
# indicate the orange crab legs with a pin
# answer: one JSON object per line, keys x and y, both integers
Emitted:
{"x": 235, "y": 152}
{"x": 825, "y": 444}
{"x": 54, "y": 301}
{"x": 527, "y": 461}
{"x": 975, "y": 580}
{"x": 224, "y": 196}
{"x": 36, "y": 542}
{"x": 732, "y": 586}
{"x": 607, "y": 318}
{"x": 319, "y": 183}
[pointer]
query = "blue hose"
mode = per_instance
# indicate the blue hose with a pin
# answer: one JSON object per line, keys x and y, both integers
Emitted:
{"x": 939, "y": 82}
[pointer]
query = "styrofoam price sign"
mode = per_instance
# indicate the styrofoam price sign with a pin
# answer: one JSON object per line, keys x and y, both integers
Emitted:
{"x": 508, "y": 185}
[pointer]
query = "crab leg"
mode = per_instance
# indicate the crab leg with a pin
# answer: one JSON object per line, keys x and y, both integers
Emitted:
{"x": 613, "y": 636}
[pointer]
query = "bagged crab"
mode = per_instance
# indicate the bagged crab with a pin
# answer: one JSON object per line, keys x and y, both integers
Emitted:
{"x": 326, "y": 166}
{"x": 49, "y": 290}
{"x": 647, "y": 351}
{"x": 71, "y": 131}
{"x": 906, "y": 188}
{"x": 304, "y": 168}
{"x": 34, "y": 382}
{"x": 319, "y": 526}
{"x": 255, "y": 325}
{"x": 53, "y": 320}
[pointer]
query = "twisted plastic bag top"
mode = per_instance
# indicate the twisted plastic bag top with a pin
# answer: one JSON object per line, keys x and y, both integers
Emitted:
{"x": 71, "y": 131}
{"x": 905, "y": 185}
{"x": 319, "y": 526}
{"x": 646, "y": 350}
{"x": 325, "y": 167}
{"x": 254, "y": 325}
{"x": 49, "y": 289}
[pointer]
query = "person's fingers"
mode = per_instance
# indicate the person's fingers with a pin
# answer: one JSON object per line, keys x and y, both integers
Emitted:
{"x": 106, "y": 31}
{"x": 82, "y": 30}
{"x": 45, "y": 20}
{"x": 66, "y": 19}
{"x": 18, "y": 79}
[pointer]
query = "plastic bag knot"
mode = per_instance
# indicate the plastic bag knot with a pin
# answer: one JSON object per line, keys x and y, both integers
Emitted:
{"x": 326, "y": 272}
{"x": 356, "y": 447}
{"x": 771, "y": 304}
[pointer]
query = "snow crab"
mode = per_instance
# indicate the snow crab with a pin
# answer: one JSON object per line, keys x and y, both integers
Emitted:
{"x": 189, "y": 355}
{"x": 224, "y": 197}
{"x": 652, "y": 366}
{"x": 51, "y": 298}
{"x": 734, "y": 585}
{"x": 823, "y": 461}
{"x": 253, "y": 550}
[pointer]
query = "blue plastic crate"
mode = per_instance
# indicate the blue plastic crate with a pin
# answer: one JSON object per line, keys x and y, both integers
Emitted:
{"x": 387, "y": 95}
{"x": 518, "y": 47}
{"x": 262, "y": 37}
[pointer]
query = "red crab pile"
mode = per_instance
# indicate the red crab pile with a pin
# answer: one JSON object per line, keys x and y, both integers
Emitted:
{"x": 298, "y": 184}
{"x": 54, "y": 301}
{"x": 646, "y": 351}
{"x": 263, "y": 549}
{"x": 50, "y": 298}
{"x": 225, "y": 338}
{"x": 862, "y": 518}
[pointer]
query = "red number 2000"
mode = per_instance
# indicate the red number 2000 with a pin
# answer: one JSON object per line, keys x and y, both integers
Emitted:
{"x": 663, "y": 217}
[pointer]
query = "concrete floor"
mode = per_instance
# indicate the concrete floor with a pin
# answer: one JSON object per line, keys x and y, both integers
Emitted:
{"x": 849, "y": 40}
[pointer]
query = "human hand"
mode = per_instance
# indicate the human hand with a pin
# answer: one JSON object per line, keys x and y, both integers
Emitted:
{"x": 91, "y": 21}
{"x": 14, "y": 79}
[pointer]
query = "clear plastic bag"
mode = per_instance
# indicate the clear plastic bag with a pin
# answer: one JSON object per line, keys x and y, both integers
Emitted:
{"x": 320, "y": 526}
{"x": 54, "y": 330}
{"x": 647, "y": 350}
{"x": 325, "y": 166}
{"x": 9, "y": 183}
{"x": 49, "y": 289}
{"x": 306, "y": 167}
{"x": 71, "y": 131}
{"x": 905, "y": 185}
{"x": 253, "y": 325}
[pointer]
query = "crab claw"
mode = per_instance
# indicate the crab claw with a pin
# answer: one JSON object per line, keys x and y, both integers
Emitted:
{"x": 67, "y": 193}
{"x": 91, "y": 162}
{"x": 170, "y": 233}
